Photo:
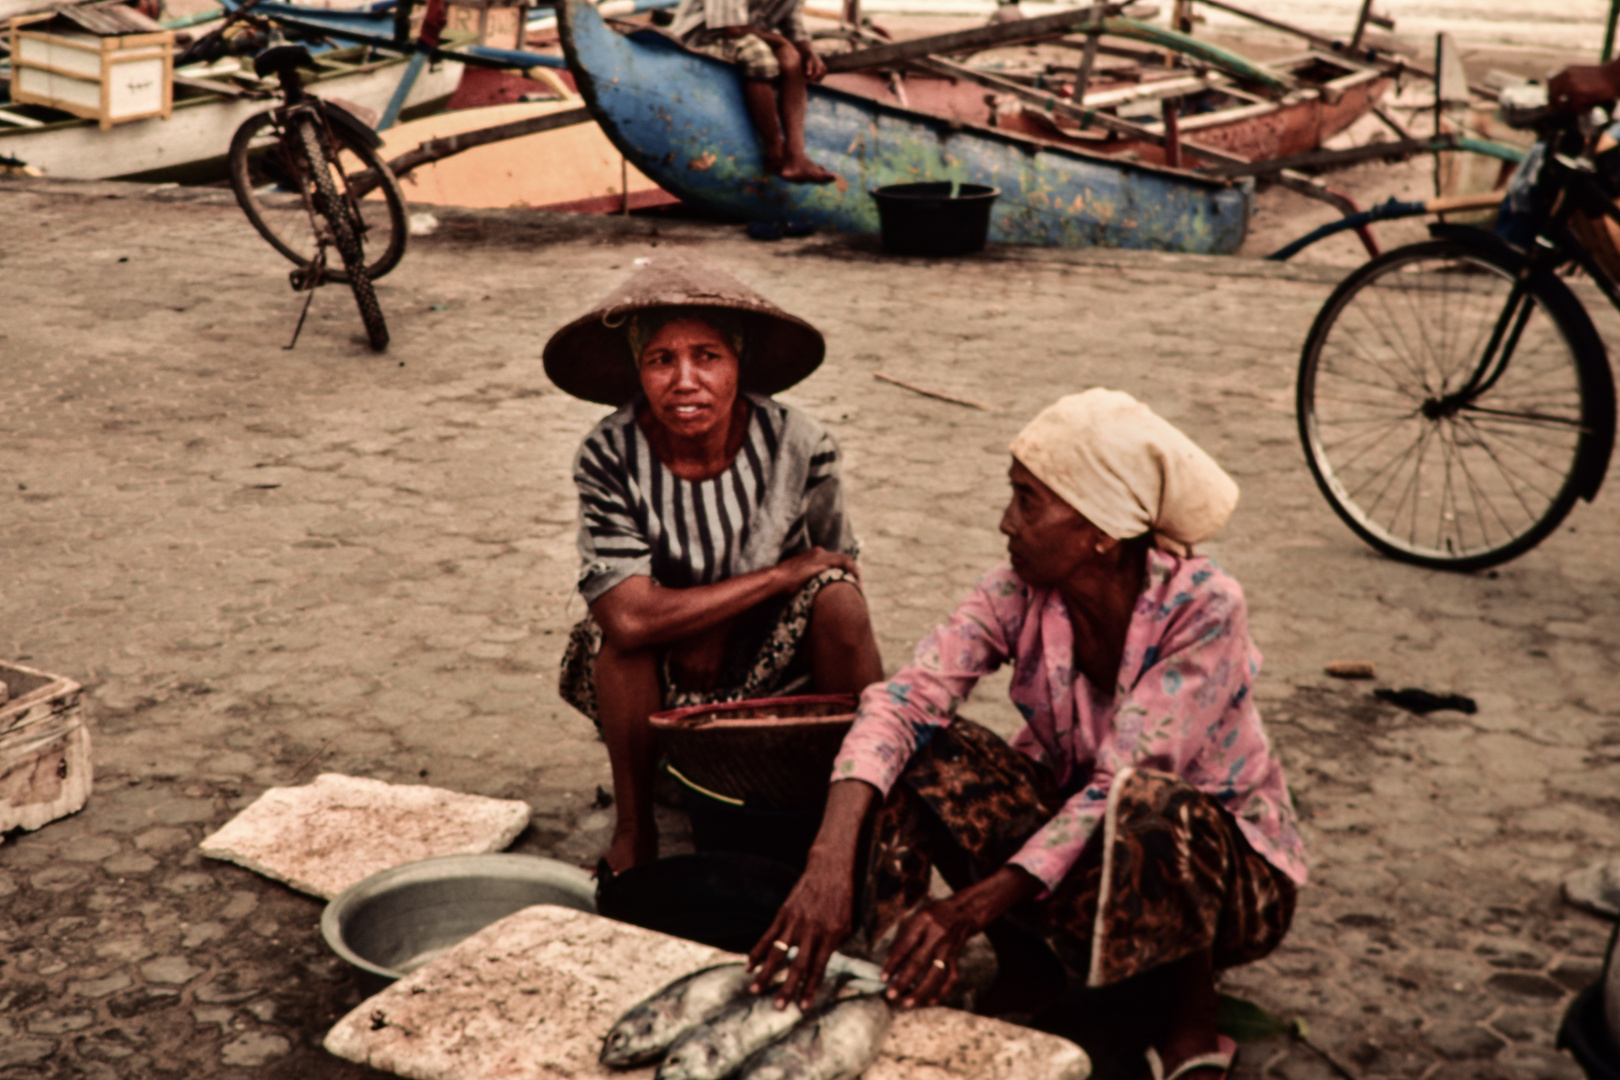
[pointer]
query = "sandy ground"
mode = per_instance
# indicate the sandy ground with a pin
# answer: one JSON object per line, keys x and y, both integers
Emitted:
{"x": 263, "y": 564}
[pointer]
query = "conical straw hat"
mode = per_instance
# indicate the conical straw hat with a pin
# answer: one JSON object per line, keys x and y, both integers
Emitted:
{"x": 590, "y": 357}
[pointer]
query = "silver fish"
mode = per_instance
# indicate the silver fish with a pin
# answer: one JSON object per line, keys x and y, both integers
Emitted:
{"x": 837, "y": 1042}
{"x": 716, "y": 1049}
{"x": 646, "y": 1031}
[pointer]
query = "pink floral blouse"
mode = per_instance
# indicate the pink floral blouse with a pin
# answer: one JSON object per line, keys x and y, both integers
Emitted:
{"x": 1181, "y": 704}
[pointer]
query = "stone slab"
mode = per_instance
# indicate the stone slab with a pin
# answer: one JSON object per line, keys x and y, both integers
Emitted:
{"x": 325, "y": 836}
{"x": 1596, "y": 888}
{"x": 532, "y": 996}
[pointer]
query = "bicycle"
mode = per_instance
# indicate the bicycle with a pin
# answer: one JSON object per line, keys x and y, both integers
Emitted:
{"x": 1454, "y": 398}
{"x": 329, "y": 158}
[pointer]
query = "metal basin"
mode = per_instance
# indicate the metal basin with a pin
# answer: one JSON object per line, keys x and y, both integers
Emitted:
{"x": 395, "y": 921}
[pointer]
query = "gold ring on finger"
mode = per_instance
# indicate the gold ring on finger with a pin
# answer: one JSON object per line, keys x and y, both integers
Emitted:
{"x": 939, "y": 963}
{"x": 780, "y": 944}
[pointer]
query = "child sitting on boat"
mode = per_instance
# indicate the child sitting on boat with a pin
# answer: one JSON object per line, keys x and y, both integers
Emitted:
{"x": 767, "y": 39}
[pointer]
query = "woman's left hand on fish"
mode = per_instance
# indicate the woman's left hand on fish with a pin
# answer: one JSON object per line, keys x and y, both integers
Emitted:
{"x": 921, "y": 968}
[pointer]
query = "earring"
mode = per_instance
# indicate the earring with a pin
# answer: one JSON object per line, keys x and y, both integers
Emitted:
{"x": 1102, "y": 549}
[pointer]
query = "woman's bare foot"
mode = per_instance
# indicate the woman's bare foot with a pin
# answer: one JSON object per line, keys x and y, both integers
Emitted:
{"x": 805, "y": 171}
{"x": 631, "y": 848}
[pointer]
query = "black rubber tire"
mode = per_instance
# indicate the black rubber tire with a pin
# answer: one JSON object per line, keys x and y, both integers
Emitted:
{"x": 335, "y": 207}
{"x": 287, "y": 228}
{"x": 1539, "y": 426}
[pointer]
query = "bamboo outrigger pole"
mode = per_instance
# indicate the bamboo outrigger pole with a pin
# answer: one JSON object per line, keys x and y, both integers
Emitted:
{"x": 1357, "y": 52}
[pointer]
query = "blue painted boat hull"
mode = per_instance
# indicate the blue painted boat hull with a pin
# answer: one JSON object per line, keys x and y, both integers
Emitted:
{"x": 679, "y": 117}
{"x": 375, "y": 26}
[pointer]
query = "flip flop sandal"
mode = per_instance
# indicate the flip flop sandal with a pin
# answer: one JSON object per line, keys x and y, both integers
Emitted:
{"x": 1219, "y": 1059}
{"x": 798, "y": 226}
{"x": 765, "y": 230}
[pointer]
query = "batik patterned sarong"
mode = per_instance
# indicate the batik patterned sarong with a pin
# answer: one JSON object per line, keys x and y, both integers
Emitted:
{"x": 763, "y": 658}
{"x": 1167, "y": 874}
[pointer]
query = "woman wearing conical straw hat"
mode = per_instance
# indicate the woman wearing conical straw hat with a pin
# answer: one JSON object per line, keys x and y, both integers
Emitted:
{"x": 1137, "y": 835}
{"x": 716, "y": 557}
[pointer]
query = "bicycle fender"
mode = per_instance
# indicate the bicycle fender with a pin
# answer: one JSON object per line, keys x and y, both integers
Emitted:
{"x": 1597, "y": 380}
{"x": 341, "y": 117}
{"x": 1597, "y": 384}
{"x": 1599, "y": 390}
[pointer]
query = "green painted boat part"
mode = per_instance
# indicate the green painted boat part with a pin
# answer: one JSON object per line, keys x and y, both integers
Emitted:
{"x": 1491, "y": 149}
{"x": 1189, "y": 46}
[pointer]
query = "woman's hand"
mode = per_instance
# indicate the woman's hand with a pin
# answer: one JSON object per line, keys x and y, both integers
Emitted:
{"x": 801, "y": 568}
{"x": 819, "y": 912}
{"x": 696, "y": 662}
{"x": 816, "y": 918}
{"x": 921, "y": 967}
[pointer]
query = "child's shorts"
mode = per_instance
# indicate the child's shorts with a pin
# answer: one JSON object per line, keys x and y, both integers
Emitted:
{"x": 749, "y": 52}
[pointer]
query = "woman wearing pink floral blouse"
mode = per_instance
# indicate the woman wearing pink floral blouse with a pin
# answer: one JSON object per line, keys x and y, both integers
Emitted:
{"x": 1138, "y": 829}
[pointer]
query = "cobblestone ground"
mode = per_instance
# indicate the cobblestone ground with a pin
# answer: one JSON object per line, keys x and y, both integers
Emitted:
{"x": 263, "y": 564}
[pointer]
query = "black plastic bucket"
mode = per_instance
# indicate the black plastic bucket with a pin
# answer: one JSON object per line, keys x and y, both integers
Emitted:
{"x": 1585, "y": 1034}
{"x": 724, "y": 899}
{"x": 935, "y": 218}
{"x": 722, "y": 824}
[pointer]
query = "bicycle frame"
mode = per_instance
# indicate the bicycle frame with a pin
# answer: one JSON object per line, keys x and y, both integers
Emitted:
{"x": 1567, "y": 184}
{"x": 297, "y": 102}
{"x": 308, "y": 150}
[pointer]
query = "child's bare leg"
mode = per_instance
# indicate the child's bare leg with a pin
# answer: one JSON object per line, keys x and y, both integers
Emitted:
{"x": 794, "y": 101}
{"x": 761, "y": 98}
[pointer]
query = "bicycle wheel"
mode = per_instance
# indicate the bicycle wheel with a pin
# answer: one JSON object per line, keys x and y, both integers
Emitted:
{"x": 1426, "y": 457}
{"x": 340, "y": 217}
{"x": 271, "y": 189}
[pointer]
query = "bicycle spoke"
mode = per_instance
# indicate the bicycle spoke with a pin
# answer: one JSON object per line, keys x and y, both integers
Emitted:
{"x": 1374, "y": 441}
{"x": 1509, "y": 443}
{"x": 1482, "y": 500}
{"x": 1400, "y": 352}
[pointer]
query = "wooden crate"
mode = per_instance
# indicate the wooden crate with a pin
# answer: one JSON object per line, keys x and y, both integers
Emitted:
{"x": 45, "y": 769}
{"x": 498, "y": 24}
{"x": 109, "y": 78}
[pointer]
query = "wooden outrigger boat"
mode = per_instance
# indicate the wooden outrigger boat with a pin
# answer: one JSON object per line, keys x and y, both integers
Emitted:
{"x": 210, "y": 103}
{"x": 1329, "y": 94}
{"x": 679, "y": 116}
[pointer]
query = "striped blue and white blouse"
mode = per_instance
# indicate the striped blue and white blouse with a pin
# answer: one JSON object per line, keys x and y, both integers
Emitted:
{"x": 781, "y": 496}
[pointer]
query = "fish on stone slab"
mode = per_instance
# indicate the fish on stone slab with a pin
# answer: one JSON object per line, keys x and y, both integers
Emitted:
{"x": 716, "y": 1049}
{"x": 835, "y": 1042}
{"x": 646, "y": 1031}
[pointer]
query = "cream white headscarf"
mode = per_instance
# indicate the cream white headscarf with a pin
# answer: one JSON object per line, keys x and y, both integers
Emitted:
{"x": 1127, "y": 469}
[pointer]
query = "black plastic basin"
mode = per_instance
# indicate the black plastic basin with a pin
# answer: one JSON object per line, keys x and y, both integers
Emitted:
{"x": 936, "y": 218}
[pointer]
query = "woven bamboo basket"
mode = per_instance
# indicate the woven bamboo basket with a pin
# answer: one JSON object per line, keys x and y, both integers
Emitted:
{"x": 768, "y": 753}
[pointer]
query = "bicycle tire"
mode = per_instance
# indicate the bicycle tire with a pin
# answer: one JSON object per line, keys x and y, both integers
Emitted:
{"x": 340, "y": 217}
{"x": 258, "y": 168}
{"x": 1395, "y": 342}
